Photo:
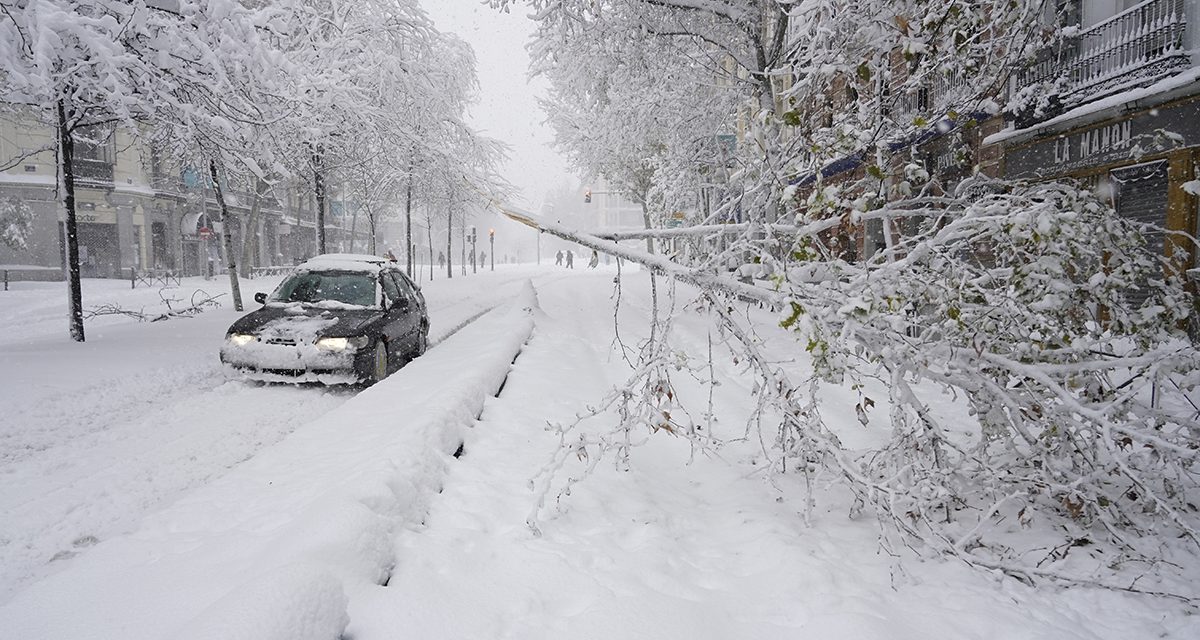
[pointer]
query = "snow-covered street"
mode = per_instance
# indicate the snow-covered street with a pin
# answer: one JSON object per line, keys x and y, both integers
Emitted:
{"x": 94, "y": 436}
{"x": 180, "y": 503}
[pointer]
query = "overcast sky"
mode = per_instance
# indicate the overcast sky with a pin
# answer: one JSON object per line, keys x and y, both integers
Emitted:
{"x": 507, "y": 107}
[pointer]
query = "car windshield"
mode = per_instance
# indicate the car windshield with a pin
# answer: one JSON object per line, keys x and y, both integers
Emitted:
{"x": 347, "y": 287}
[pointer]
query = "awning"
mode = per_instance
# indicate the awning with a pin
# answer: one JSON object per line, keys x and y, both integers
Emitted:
{"x": 189, "y": 223}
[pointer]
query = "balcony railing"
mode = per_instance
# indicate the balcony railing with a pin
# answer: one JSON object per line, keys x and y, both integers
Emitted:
{"x": 1135, "y": 47}
{"x": 97, "y": 172}
{"x": 935, "y": 96}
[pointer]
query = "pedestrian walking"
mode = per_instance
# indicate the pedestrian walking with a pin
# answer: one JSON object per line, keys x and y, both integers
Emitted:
{"x": 482, "y": 258}
{"x": 441, "y": 259}
{"x": 558, "y": 259}
{"x": 570, "y": 259}
{"x": 594, "y": 261}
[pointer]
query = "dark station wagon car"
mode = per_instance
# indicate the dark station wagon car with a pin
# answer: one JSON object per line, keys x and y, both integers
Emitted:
{"x": 338, "y": 319}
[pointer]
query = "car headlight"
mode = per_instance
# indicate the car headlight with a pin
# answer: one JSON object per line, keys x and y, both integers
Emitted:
{"x": 341, "y": 344}
{"x": 240, "y": 339}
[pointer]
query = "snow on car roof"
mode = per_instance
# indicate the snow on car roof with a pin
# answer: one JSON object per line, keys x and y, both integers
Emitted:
{"x": 344, "y": 262}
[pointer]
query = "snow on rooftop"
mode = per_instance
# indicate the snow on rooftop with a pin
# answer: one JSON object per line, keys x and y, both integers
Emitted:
{"x": 1094, "y": 108}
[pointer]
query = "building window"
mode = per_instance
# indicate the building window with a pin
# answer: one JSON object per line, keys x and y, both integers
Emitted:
{"x": 1069, "y": 12}
{"x": 95, "y": 154}
{"x": 95, "y": 143}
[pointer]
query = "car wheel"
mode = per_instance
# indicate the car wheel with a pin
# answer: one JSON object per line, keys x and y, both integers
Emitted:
{"x": 379, "y": 363}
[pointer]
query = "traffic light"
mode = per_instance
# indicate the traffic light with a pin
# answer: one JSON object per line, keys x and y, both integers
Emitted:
{"x": 587, "y": 196}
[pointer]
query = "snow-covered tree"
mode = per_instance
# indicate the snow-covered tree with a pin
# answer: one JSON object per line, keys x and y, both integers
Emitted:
{"x": 16, "y": 217}
{"x": 1036, "y": 306}
{"x": 72, "y": 65}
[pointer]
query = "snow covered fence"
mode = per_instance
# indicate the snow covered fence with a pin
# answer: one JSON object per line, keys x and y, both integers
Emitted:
{"x": 271, "y": 549}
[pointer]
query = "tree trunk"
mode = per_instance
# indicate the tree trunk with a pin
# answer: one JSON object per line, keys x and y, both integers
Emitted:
{"x": 373, "y": 242}
{"x": 429, "y": 234}
{"x": 74, "y": 290}
{"x": 319, "y": 190}
{"x": 250, "y": 233}
{"x": 227, "y": 237}
{"x": 408, "y": 242}
{"x": 449, "y": 241}
{"x": 646, "y": 221}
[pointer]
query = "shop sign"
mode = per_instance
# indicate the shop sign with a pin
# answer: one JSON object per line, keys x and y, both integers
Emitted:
{"x": 1146, "y": 133}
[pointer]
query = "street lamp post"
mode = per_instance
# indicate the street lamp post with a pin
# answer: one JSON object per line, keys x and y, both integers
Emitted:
{"x": 492, "y": 252}
{"x": 474, "y": 254}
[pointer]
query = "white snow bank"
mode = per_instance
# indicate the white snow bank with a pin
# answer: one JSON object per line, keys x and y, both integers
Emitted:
{"x": 293, "y": 603}
{"x": 328, "y": 498}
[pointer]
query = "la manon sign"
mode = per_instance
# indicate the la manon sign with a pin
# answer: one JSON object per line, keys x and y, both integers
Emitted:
{"x": 1094, "y": 142}
{"x": 1146, "y": 133}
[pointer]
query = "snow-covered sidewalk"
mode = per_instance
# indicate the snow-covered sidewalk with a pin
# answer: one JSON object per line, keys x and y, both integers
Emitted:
{"x": 672, "y": 549}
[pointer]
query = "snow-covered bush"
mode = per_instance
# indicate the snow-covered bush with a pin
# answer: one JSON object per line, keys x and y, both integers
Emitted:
{"x": 15, "y": 220}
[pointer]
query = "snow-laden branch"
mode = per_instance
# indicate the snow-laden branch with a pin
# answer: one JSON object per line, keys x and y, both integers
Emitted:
{"x": 1027, "y": 305}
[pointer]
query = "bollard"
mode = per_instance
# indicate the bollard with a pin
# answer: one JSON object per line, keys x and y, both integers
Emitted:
{"x": 6, "y": 279}
{"x": 132, "y": 278}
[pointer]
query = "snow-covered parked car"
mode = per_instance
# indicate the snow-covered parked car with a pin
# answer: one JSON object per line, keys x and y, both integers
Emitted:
{"x": 338, "y": 319}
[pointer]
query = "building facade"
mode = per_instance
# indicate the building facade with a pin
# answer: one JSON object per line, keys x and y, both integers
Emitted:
{"x": 1114, "y": 106}
{"x": 1117, "y": 108}
{"x": 136, "y": 209}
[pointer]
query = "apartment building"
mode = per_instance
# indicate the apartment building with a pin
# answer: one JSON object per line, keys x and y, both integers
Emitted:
{"x": 139, "y": 209}
{"x": 1116, "y": 106}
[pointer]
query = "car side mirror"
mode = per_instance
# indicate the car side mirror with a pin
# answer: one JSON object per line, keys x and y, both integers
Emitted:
{"x": 260, "y": 297}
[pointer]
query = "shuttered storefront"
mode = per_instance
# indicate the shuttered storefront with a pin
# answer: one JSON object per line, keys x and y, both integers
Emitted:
{"x": 1140, "y": 194}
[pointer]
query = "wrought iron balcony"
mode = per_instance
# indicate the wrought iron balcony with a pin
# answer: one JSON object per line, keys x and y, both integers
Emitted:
{"x": 1133, "y": 48}
{"x": 93, "y": 172}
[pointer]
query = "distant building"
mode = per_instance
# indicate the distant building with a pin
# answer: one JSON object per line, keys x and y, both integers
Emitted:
{"x": 136, "y": 209}
{"x": 611, "y": 210}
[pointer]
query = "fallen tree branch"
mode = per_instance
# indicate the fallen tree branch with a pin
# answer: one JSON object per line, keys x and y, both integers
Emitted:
{"x": 200, "y": 301}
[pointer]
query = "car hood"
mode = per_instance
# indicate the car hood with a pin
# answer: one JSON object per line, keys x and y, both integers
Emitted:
{"x": 305, "y": 323}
